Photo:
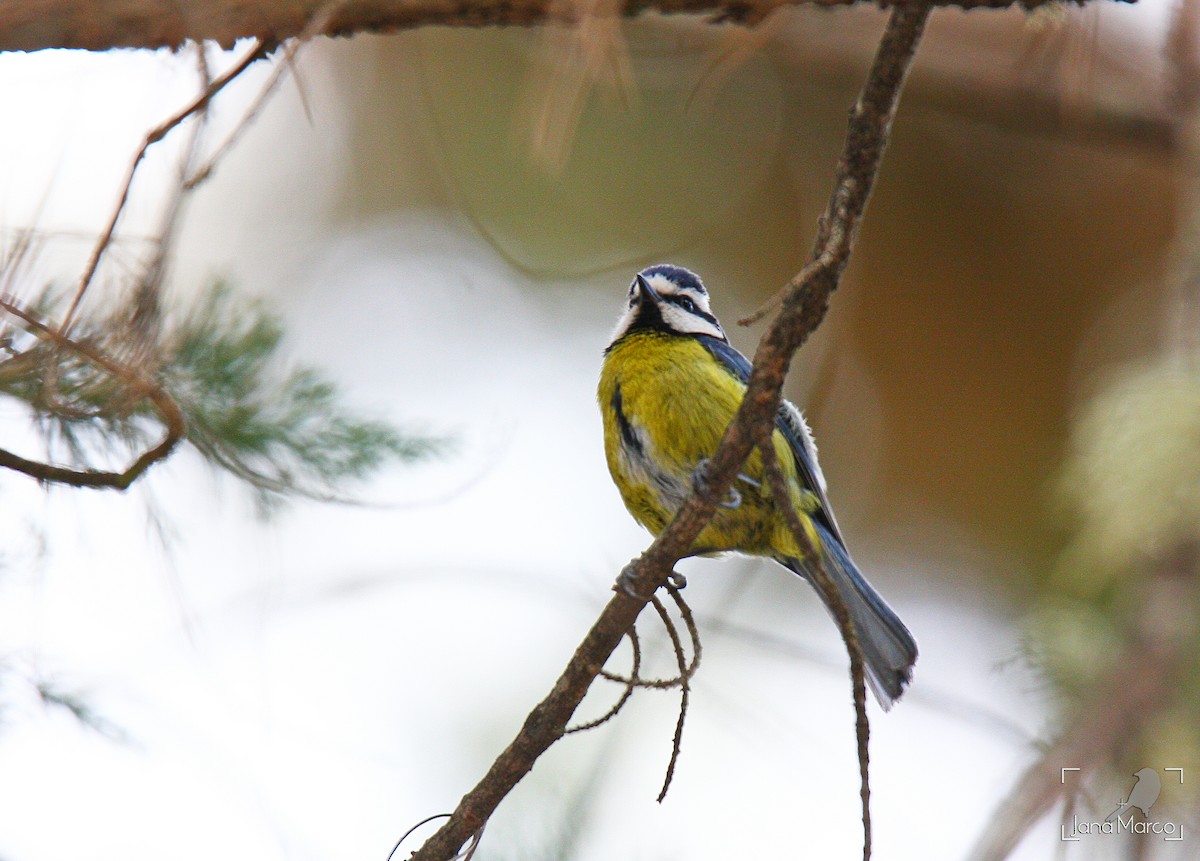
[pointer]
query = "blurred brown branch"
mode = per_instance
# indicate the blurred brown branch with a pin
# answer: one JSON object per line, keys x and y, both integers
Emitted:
{"x": 804, "y": 305}
{"x": 98, "y": 25}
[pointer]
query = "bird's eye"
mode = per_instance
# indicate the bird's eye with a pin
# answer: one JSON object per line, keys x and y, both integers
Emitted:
{"x": 686, "y": 304}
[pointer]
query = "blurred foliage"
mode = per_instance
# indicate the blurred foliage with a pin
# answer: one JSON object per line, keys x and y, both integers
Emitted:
{"x": 53, "y": 695}
{"x": 1131, "y": 487}
{"x": 283, "y": 435}
{"x": 24, "y": 691}
{"x": 282, "y": 432}
{"x": 1133, "y": 476}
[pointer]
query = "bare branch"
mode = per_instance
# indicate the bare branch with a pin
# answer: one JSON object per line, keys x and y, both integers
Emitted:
{"x": 804, "y": 307}
{"x": 684, "y": 681}
{"x": 98, "y": 25}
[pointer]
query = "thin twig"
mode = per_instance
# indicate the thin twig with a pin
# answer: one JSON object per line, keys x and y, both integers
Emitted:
{"x": 630, "y": 682}
{"x": 136, "y": 381}
{"x": 803, "y": 309}
{"x": 805, "y": 274}
{"x": 257, "y": 51}
{"x": 684, "y": 690}
{"x": 685, "y": 672}
{"x": 144, "y": 321}
{"x": 316, "y": 26}
{"x": 634, "y": 680}
{"x": 841, "y": 614}
{"x": 409, "y": 832}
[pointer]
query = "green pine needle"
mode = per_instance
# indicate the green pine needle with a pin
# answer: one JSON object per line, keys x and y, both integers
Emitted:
{"x": 284, "y": 433}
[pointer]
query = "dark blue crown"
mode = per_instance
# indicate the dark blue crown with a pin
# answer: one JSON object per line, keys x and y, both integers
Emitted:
{"x": 683, "y": 277}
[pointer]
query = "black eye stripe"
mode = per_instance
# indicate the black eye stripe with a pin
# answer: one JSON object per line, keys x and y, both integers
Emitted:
{"x": 685, "y": 303}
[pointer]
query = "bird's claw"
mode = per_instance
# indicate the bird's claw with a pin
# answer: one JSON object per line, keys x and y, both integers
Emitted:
{"x": 700, "y": 483}
{"x": 626, "y": 582}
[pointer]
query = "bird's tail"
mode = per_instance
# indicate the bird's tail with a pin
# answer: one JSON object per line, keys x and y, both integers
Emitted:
{"x": 889, "y": 650}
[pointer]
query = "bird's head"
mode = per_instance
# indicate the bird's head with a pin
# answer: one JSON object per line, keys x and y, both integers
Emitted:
{"x": 668, "y": 299}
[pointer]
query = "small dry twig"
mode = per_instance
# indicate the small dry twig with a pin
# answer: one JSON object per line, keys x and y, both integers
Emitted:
{"x": 256, "y": 52}
{"x": 316, "y": 26}
{"x": 684, "y": 685}
{"x": 634, "y": 680}
{"x": 135, "y": 381}
{"x": 630, "y": 682}
{"x": 841, "y": 614}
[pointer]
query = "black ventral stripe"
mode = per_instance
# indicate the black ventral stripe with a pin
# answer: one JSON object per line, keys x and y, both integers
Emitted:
{"x": 628, "y": 438}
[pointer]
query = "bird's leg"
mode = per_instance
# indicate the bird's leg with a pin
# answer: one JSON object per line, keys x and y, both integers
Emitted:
{"x": 700, "y": 484}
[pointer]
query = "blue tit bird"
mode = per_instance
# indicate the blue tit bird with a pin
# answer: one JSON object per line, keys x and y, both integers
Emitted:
{"x": 669, "y": 386}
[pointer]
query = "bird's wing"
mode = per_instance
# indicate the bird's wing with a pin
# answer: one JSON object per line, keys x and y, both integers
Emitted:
{"x": 790, "y": 423}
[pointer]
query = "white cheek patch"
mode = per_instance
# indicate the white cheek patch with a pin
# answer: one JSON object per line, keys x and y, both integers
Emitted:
{"x": 685, "y": 323}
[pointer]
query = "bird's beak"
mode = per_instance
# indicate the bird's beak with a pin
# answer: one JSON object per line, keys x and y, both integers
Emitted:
{"x": 646, "y": 292}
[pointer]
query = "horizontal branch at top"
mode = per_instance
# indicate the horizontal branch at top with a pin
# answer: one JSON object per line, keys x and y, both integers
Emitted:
{"x": 31, "y": 25}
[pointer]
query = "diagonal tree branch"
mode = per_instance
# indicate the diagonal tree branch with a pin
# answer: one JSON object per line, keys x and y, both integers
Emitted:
{"x": 805, "y": 302}
{"x": 98, "y": 25}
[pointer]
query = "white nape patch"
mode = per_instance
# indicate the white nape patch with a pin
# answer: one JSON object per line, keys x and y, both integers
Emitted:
{"x": 810, "y": 444}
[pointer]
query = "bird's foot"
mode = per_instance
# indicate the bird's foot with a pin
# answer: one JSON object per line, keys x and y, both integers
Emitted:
{"x": 700, "y": 482}
{"x": 627, "y": 581}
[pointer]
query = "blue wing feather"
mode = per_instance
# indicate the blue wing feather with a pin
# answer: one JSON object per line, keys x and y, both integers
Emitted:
{"x": 888, "y": 648}
{"x": 789, "y": 423}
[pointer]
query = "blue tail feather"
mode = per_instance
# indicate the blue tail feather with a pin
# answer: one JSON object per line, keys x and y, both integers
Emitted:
{"x": 889, "y": 650}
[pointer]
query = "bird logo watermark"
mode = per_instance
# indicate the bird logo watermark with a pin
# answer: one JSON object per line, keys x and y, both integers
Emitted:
{"x": 1143, "y": 795}
{"x": 1125, "y": 819}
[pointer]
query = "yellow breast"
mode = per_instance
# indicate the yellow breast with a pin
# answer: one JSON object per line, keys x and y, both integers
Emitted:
{"x": 666, "y": 402}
